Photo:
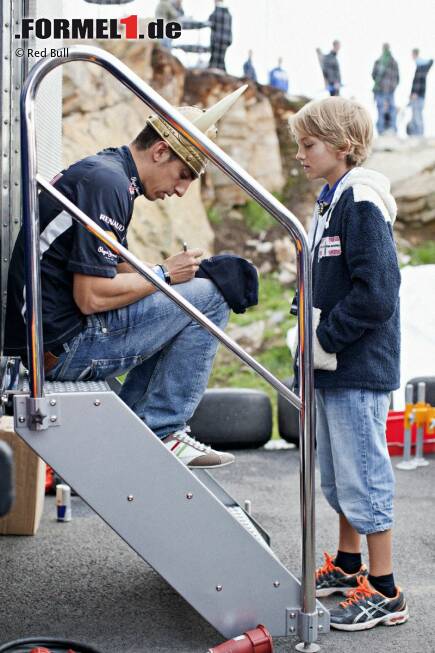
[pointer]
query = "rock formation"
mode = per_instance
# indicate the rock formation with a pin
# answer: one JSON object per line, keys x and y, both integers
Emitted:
{"x": 247, "y": 134}
{"x": 410, "y": 166}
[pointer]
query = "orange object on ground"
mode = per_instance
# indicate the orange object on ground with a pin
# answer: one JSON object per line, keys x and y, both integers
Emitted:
{"x": 257, "y": 640}
{"x": 49, "y": 483}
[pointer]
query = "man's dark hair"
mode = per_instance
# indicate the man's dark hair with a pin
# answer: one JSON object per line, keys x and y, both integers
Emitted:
{"x": 146, "y": 138}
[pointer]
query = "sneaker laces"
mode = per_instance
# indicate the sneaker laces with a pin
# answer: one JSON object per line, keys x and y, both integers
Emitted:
{"x": 327, "y": 567}
{"x": 362, "y": 591}
{"x": 187, "y": 439}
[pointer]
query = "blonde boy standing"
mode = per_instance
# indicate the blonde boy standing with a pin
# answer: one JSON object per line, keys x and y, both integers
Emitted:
{"x": 356, "y": 325}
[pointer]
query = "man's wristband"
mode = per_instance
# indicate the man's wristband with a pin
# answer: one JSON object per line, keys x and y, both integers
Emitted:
{"x": 166, "y": 275}
{"x": 163, "y": 273}
{"x": 158, "y": 270}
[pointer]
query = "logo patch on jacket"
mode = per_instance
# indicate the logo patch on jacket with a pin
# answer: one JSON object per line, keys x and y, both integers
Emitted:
{"x": 330, "y": 246}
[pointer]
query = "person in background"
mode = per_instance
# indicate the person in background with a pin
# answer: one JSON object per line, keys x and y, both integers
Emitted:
{"x": 168, "y": 10}
{"x": 385, "y": 75}
{"x": 278, "y": 77}
{"x": 331, "y": 68}
{"x": 221, "y": 35}
{"x": 178, "y": 6}
{"x": 418, "y": 93}
{"x": 165, "y": 9}
{"x": 248, "y": 68}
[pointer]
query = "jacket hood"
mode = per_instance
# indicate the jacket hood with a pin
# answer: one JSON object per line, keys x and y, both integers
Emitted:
{"x": 368, "y": 185}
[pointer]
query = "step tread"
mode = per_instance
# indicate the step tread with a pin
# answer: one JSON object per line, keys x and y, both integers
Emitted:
{"x": 59, "y": 387}
{"x": 244, "y": 521}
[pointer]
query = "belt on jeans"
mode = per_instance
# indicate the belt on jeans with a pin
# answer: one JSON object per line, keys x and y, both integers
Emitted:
{"x": 51, "y": 357}
{"x": 50, "y": 361}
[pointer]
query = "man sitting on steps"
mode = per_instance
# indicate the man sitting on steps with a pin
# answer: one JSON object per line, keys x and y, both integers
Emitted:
{"x": 100, "y": 317}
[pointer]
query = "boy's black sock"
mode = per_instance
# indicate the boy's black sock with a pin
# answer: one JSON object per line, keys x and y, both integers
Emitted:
{"x": 350, "y": 563}
{"x": 384, "y": 584}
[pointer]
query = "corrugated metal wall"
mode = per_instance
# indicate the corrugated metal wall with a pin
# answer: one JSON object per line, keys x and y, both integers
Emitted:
{"x": 48, "y": 120}
{"x": 49, "y": 100}
{"x": 10, "y": 85}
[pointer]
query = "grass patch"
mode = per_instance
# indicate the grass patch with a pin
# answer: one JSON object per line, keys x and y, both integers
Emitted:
{"x": 423, "y": 254}
{"x": 214, "y": 217}
{"x": 256, "y": 218}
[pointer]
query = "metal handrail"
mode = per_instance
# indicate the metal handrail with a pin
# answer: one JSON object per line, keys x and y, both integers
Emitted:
{"x": 307, "y": 624}
{"x": 148, "y": 273}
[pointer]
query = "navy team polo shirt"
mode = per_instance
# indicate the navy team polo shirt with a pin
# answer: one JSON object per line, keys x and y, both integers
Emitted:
{"x": 104, "y": 187}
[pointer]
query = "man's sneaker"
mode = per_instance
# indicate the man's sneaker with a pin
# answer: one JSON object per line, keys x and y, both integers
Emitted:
{"x": 331, "y": 579}
{"x": 366, "y": 608}
{"x": 194, "y": 454}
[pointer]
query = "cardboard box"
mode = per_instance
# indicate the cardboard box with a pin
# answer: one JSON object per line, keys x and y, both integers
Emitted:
{"x": 26, "y": 511}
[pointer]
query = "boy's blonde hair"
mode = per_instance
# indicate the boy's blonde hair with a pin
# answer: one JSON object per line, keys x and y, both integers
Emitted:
{"x": 340, "y": 122}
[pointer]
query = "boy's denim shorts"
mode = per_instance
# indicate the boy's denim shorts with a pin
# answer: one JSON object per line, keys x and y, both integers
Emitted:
{"x": 357, "y": 478}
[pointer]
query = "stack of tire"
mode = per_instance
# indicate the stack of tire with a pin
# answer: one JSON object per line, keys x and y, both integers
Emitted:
{"x": 229, "y": 418}
{"x": 288, "y": 417}
{"x": 233, "y": 418}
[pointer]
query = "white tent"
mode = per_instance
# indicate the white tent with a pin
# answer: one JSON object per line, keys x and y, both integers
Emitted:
{"x": 417, "y": 310}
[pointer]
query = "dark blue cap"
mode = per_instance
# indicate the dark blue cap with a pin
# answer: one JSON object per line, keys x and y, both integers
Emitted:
{"x": 236, "y": 278}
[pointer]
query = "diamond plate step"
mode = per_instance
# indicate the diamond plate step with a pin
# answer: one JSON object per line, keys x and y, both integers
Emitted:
{"x": 59, "y": 387}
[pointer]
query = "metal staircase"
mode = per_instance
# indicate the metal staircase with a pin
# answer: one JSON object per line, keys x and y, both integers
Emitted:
{"x": 181, "y": 522}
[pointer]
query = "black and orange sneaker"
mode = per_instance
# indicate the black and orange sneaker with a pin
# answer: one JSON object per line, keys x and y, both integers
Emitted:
{"x": 366, "y": 608}
{"x": 331, "y": 579}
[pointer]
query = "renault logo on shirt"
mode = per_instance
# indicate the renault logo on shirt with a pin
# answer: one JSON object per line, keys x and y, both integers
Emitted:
{"x": 113, "y": 223}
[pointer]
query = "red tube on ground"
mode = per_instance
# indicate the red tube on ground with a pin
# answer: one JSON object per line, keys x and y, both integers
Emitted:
{"x": 257, "y": 640}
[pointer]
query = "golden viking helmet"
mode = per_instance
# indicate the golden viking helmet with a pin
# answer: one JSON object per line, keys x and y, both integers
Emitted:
{"x": 203, "y": 120}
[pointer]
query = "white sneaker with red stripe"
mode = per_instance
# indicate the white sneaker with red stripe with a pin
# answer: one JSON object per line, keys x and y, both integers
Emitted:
{"x": 193, "y": 453}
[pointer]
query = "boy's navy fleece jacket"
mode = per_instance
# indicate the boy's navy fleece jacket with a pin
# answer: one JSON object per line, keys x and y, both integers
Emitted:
{"x": 356, "y": 282}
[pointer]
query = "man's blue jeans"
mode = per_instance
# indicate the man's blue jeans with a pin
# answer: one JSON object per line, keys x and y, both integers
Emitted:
{"x": 167, "y": 354}
{"x": 386, "y": 107}
{"x": 417, "y": 125}
{"x": 355, "y": 468}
